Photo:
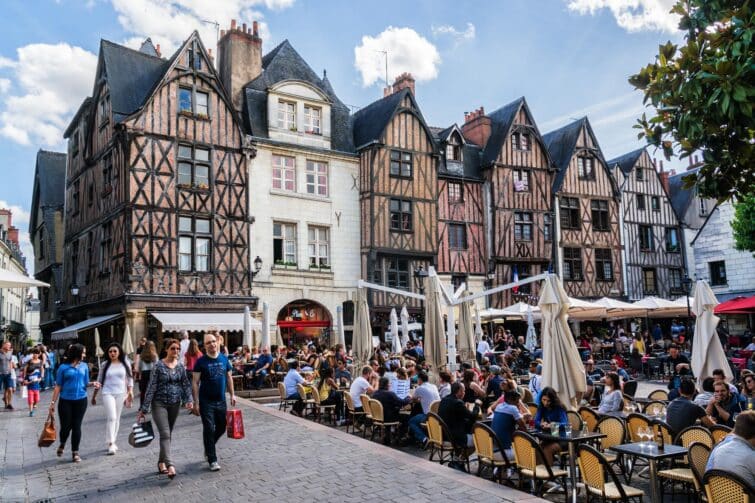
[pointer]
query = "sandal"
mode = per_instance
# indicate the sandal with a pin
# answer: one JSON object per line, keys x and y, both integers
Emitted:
{"x": 163, "y": 470}
{"x": 76, "y": 458}
{"x": 60, "y": 450}
{"x": 171, "y": 471}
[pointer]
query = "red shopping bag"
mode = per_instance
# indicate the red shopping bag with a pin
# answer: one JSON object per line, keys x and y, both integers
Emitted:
{"x": 235, "y": 424}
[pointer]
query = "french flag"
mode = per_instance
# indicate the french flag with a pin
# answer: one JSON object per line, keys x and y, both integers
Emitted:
{"x": 516, "y": 278}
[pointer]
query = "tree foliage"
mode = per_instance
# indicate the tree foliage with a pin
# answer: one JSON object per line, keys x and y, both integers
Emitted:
{"x": 702, "y": 95}
{"x": 743, "y": 224}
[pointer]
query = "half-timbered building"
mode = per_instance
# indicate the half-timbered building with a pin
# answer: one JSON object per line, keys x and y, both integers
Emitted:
{"x": 518, "y": 175}
{"x": 304, "y": 193}
{"x": 157, "y": 213}
{"x": 398, "y": 195}
{"x": 654, "y": 264}
{"x": 587, "y": 213}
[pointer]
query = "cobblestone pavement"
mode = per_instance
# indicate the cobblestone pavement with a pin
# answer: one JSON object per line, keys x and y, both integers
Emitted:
{"x": 282, "y": 458}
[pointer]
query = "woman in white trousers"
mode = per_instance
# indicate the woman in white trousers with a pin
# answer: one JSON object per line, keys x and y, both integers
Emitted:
{"x": 116, "y": 385}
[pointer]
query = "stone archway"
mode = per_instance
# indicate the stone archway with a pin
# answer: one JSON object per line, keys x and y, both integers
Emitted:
{"x": 304, "y": 320}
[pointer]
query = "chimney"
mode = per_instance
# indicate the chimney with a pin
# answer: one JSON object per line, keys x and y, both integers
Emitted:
{"x": 664, "y": 178}
{"x": 476, "y": 127}
{"x": 387, "y": 91}
{"x": 239, "y": 59}
{"x": 159, "y": 54}
{"x": 403, "y": 81}
{"x": 13, "y": 235}
{"x": 209, "y": 53}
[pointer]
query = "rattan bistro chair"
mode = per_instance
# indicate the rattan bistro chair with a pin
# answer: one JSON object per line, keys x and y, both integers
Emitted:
{"x": 489, "y": 451}
{"x": 532, "y": 407}
{"x": 285, "y": 403}
{"x": 719, "y": 432}
{"x": 692, "y": 478}
{"x": 698, "y": 461}
{"x": 595, "y": 470}
{"x": 351, "y": 413}
{"x": 320, "y": 408}
{"x": 634, "y": 423}
{"x": 615, "y": 431}
{"x": 437, "y": 438}
{"x": 725, "y": 487}
{"x": 309, "y": 403}
{"x": 694, "y": 434}
{"x": 575, "y": 420}
{"x": 365, "y": 399}
{"x": 378, "y": 420}
{"x": 526, "y": 453}
{"x": 658, "y": 394}
{"x": 590, "y": 417}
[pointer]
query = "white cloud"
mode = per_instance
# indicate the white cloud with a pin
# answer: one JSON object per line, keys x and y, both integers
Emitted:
{"x": 52, "y": 81}
{"x": 407, "y": 51}
{"x": 457, "y": 35}
{"x": 633, "y": 15}
{"x": 4, "y": 86}
{"x": 596, "y": 111}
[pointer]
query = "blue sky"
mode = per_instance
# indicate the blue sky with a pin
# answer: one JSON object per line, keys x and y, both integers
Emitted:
{"x": 568, "y": 57}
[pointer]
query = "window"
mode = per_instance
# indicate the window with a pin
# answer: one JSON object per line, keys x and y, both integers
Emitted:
{"x": 401, "y": 164}
{"x": 672, "y": 240}
{"x": 312, "y": 119}
{"x": 548, "y": 227}
{"x": 106, "y": 247}
{"x": 522, "y": 226}
{"x": 520, "y": 141}
{"x": 202, "y": 108}
{"x": 107, "y": 171}
{"x": 284, "y": 173}
{"x": 75, "y": 143}
{"x": 457, "y": 236}
{"x": 453, "y": 149}
{"x": 377, "y": 273}
{"x": 75, "y": 197}
{"x": 573, "y": 264}
{"x": 193, "y": 166}
{"x": 569, "y": 207}
{"x": 717, "y": 273}
{"x": 675, "y": 280}
{"x": 455, "y": 192}
{"x": 586, "y": 168}
{"x": 401, "y": 215}
{"x": 655, "y": 203}
{"x": 194, "y": 244}
{"x": 317, "y": 178}
{"x": 603, "y": 264}
{"x": 104, "y": 108}
{"x": 639, "y": 174}
{"x": 319, "y": 247}
{"x": 521, "y": 180}
{"x": 599, "y": 215}
{"x": 646, "y": 237}
{"x": 284, "y": 243}
{"x": 641, "y": 202}
{"x": 194, "y": 59}
{"x": 649, "y": 283}
{"x": 524, "y": 272}
{"x": 287, "y": 115}
{"x": 457, "y": 280}
{"x": 703, "y": 207}
{"x": 397, "y": 272}
{"x": 185, "y": 101}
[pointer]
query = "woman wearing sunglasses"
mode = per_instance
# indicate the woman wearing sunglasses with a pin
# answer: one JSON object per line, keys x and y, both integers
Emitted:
{"x": 117, "y": 385}
{"x": 169, "y": 385}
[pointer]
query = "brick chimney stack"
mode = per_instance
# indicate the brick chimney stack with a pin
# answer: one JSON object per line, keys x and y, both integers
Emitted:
{"x": 239, "y": 59}
{"x": 477, "y": 127}
{"x": 664, "y": 178}
{"x": 157, "y": 49}
{"x": 403, "y": 81}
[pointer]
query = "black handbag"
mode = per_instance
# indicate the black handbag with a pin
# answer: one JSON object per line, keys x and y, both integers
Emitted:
{"x": 141, "y": 434}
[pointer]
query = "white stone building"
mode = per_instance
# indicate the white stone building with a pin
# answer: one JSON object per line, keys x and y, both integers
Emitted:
{"x": 12, "y": 300}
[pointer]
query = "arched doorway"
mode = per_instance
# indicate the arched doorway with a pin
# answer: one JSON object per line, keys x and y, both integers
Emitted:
{"x": 303, "y": 320}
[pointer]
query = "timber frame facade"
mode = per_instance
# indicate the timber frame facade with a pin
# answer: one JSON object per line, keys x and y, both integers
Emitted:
{"x": 655, "y": 261}
{"x": 156, "y": 190}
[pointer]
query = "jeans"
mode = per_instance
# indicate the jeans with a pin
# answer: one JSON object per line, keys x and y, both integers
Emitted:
{"x": 165, "y": 417}
{"x": 299, "y": 405}
{"x": 213, "y": 426}
{"x": 143, "y": 383}
{"x": 414, "y": 426}
{"x": 114, "y": 407}
{"x": 71, "y": 414}
{"x": 259, "y": 378}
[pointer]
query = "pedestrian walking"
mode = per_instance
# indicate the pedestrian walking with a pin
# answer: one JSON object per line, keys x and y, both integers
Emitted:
{"x": 7, "y": 374}
{"x": 33, "y": 375}
{"x": 117, "y": 385}
{"x": 168, "y": 386}
{"x": 145, "y": 360}
{"x": 212, "y": 373}
{"x": 71, "y": 383}
{"x": 192, "y": 355}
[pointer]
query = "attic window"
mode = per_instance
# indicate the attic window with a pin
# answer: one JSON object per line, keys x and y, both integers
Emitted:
{"x": 520, "y": 141}
{"x": 287, "y": 115}
{"x": 586, "y": 168}
{"x": 194, "y": 59}
{"x": 640, "y": 174}
{"x": 312, "y": 119}
{"x": 453, "y": 149}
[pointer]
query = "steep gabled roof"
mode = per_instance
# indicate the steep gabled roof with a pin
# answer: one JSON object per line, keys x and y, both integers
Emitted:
{"x": 49, "y": 183}
{"x": 501, "y": 121}
{"x": 626, "y": 162}
{"x": 681, "y": 197}
{"x": 284, "y": 63}
{"x": 370, "y": 121}
{"x": 148, "y": 48}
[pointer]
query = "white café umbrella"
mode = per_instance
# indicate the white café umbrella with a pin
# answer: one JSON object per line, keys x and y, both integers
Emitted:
{"x": 247, "y": 324}
{"x": 435, "y": 340}
{"x": 362, "y": 339}
{"x": 616, "y": 309}
{"x": 265, "y": 326}
{"x": 277, "y": 337}
{"x": 707, "y": 353}
{"x": 661, "y": 308}
{"x": 477, "y": 325}
{"x": 404, "y": 326}
{"x": 531, "y": 341}
{"x": 562, "y": 365}
{"x": 97, "y": 349}
{"x": 465, "y": 336}
{"x": 395, "y": 340}
{"x": 582, "y": 310}
{"x": 341, "y": 331}
{"x": 128, "y": 342}
{"x": 13, "y": 279}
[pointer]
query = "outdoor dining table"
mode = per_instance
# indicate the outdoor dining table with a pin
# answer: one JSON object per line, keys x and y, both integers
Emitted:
{"x": 650, "y": 452}
{"x": 576, "y": 437}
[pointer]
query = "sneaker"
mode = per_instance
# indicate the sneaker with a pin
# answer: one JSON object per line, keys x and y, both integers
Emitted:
{"x": 9, "y": 407}
{"x": 214, "y": 466}
{"x": 31, "y": 413}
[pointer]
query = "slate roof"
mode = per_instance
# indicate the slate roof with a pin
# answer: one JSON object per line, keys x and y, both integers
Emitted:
{"x": 49, "y": 186}
{"x": 501, "y": 121}
{"x": 284, "y": 63}
{"x": 681, "y": 197}
{"x": 369, "y": 122}
{"x": 148, "y": 47}
{"x": 627, "y": 161}
{"x": 470, "y": 167}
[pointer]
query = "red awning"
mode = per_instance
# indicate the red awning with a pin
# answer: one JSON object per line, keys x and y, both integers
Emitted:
{"x": 304, "y": 324}
{"x": 740, "y": 305}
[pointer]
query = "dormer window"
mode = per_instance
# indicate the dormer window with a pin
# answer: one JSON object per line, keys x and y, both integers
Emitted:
{"x": 312, "y": 119}
{"x": 103, "y": 110}
{"x": 194, "y": 60}
{"x": 520, "y": 141}
{"x": 586, "y": 168}
{"x": 287, "y": 115}
{"x": 453, "y": 149}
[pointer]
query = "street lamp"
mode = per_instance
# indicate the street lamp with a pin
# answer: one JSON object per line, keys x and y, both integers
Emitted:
{"x": 257, "y": 266}
{"x": 420, "y": 274}
{"x": 75, "y": 290}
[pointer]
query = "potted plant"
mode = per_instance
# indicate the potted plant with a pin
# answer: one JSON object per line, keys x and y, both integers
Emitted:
{"x": 325, "y": 267}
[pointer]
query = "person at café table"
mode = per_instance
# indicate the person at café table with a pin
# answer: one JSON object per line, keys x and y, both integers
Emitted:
{"x": 683, "y": 412}
{"x": 736, "y": 452}
{"x": 360, "y": 386}
{"x": 720, "y": 376}
{"x": 510, "y": 385}
{"x": 457, "y": 416}
{"x": 613, "y": 399}
{"x": 506, "y": 418}
{"x": 261, "y": 368}
{"x": 493, "y": 387}
{"x": 392, "y": 404}
{"x": 472, "y": 390}
{"x": 550, "y": 411}
{"x": 676, "y": 360}
{"x": 623, "y": 374}
{"x": 723, "y": 405}
{"x": 293, "y": 377}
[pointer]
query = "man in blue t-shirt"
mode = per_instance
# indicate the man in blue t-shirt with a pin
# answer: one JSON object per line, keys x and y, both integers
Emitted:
{"x": 261, "y": 368}
{"x": 506, "y": 417}
{"x": 211, "y": 374}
